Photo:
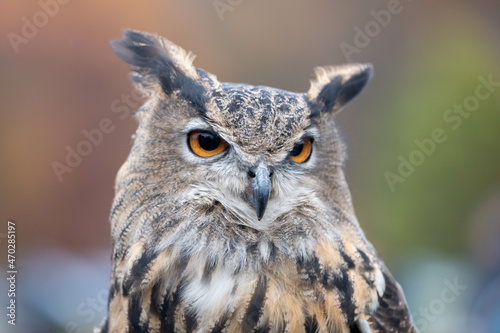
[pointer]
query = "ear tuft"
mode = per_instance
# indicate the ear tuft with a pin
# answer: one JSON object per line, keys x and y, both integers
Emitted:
{"x": 335, "y": 86}
{"x": 156, "y": 61}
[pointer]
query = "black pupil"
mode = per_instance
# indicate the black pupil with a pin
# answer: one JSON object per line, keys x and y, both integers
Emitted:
{"x": 297, "y": 149}
{"x": 208, "y": 141}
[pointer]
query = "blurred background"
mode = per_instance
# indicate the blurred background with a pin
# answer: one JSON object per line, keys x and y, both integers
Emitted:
{"x": 423, "y": 138}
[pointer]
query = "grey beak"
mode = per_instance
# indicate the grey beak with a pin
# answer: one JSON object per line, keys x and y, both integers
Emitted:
{"x": 261, "y": 185}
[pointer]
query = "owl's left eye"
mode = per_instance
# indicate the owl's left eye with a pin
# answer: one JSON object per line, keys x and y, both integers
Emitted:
{"x": 302, "y": 150}
{"x": 206, "y": 144}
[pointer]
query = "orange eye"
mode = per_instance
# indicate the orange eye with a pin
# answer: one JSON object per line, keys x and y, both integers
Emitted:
{"x": 301, "y": 151}
{"x": 206, "y": 144}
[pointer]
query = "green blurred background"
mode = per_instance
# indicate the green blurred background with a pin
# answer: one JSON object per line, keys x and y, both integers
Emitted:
{"x": 438, "y": 228}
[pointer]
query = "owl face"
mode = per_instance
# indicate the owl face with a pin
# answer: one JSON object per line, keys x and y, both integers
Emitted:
{"x": 256, "y": 142}
{"x": 255, "y": 150}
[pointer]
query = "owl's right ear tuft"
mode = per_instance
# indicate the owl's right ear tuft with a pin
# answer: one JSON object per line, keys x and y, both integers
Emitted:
{"x": 336, "y": 86}
{"x": 159, "y": 63}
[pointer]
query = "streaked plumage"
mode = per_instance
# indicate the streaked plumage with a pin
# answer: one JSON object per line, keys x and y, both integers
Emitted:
{"x": 190, "y": 253}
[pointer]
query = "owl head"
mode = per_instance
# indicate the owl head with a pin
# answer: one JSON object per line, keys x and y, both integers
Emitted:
{"x": 254, "y": 151}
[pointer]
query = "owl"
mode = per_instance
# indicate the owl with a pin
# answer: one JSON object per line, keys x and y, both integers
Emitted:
{"x": 232, "y": 212}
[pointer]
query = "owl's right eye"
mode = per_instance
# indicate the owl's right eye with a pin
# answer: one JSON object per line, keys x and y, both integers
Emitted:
{"x": 206, "y": 144}
{"x": 302, "y": 151}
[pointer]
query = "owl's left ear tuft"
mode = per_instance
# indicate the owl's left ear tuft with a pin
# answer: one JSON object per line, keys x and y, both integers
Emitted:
{"x": 336, "y": 86}
{"x": 160, "y": 66}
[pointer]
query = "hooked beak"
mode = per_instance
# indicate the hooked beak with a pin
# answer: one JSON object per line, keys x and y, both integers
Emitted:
{"x": 261, "y": 185}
